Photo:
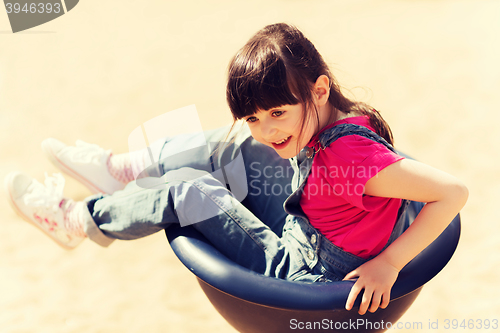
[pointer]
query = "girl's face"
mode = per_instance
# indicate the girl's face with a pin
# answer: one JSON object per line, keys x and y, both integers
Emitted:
{"x": 279, "y": 129}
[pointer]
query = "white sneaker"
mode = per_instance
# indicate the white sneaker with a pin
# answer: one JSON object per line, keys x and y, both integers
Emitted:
{"x": 45, "y": 207}
{"x": 85, "y": 162}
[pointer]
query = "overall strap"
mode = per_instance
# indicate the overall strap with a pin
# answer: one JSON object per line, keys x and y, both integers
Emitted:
{"x": 330, "y": 135}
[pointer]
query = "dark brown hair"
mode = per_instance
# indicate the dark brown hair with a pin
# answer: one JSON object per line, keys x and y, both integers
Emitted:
{"x": 279, "y": 66}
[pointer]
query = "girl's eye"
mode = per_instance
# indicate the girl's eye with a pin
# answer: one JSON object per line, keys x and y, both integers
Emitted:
{"x": 278, "y": 113}
{"x": 251, "y": 119}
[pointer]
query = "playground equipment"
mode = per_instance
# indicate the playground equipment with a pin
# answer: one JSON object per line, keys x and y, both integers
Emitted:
{"x": 251, "y": 302}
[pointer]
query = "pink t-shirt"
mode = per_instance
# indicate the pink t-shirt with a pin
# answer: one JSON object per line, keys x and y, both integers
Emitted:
{"x": 333, "y": 198}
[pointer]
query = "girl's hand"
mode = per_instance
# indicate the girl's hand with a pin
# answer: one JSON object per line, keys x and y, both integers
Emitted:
{"x": 376, "y": 277}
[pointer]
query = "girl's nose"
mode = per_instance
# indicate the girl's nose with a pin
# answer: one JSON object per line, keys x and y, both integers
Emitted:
{"x": 268, "y": 131}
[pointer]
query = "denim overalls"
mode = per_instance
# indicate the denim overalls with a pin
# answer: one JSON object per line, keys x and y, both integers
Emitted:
{"x": 322, "y": 260}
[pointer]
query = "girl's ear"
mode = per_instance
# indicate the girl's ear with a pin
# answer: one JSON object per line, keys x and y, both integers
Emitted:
{"x": 321, "y": 90}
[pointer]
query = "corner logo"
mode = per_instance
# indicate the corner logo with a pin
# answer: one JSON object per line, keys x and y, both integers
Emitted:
{"x": 28, "y": 14}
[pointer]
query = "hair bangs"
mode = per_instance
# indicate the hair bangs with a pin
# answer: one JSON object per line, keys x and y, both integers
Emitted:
{"x": 258, "y": 81}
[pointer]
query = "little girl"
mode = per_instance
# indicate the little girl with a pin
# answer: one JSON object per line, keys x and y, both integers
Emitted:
{"x": 342, "y": 219}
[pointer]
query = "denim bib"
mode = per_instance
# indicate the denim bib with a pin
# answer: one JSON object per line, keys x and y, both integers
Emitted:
{"x": 319, "y": 254}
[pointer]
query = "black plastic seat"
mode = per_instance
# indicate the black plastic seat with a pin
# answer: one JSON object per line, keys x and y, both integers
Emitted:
{"x": 251, "y": 302}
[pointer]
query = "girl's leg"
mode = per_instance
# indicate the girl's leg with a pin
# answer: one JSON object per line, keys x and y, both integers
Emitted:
{"x": 190, "y": 197}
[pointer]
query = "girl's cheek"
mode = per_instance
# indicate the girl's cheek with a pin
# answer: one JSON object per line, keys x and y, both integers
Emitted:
{"x": 256, "y": 136}
{"x": 255, "y": 132}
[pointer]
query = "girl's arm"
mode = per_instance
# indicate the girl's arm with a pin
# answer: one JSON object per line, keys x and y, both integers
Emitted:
{"x": 406, "y": 179}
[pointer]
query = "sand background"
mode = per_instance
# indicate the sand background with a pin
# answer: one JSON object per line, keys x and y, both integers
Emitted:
{"x": 106, "y": 67}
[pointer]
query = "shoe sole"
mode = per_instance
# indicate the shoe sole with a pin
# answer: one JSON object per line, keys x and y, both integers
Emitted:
{"x": 8, "y": 185}
{"x": 67, "y": 170}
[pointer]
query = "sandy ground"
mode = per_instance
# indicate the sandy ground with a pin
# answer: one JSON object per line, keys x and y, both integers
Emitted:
{"x": 108, "y": 66}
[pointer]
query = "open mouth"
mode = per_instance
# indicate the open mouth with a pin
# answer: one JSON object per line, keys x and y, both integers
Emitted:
{"x": 282, "y": 143}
